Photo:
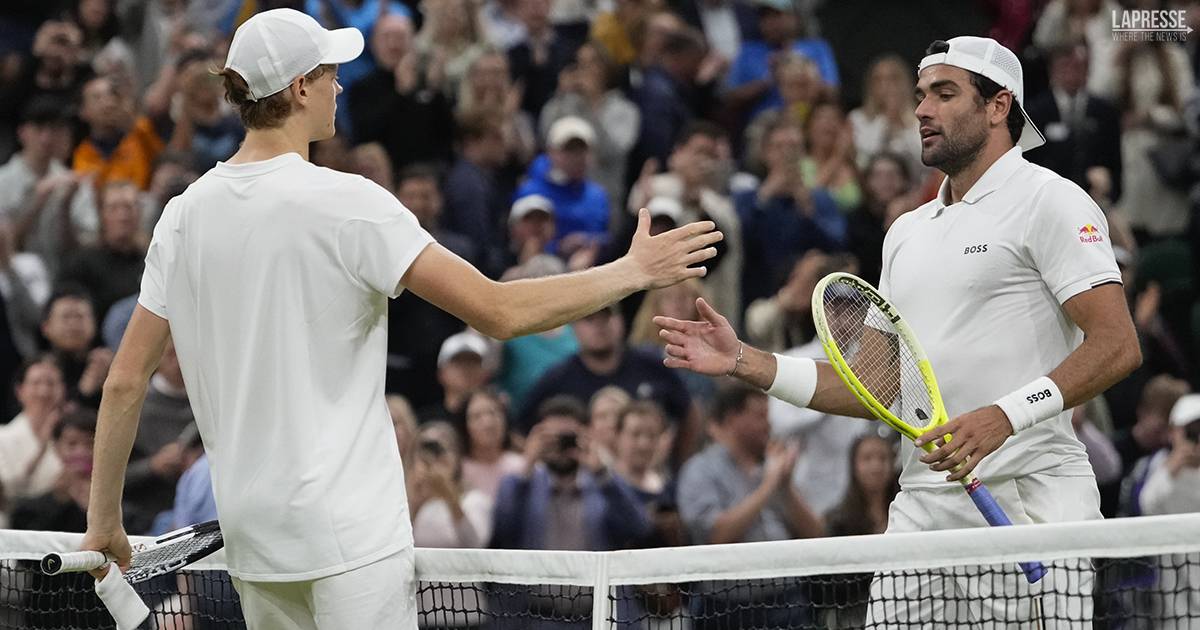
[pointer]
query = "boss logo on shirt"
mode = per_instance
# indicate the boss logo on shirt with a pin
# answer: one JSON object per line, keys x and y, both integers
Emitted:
{"x": 1089, "y": 234}
{"x": 975, "y": 249}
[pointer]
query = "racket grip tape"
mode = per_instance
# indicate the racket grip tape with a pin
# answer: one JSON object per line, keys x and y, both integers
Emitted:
{"x": 73, "y": 562}
{"x": 995, "y": 516}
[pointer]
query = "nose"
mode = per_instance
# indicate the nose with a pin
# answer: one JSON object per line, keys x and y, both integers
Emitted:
{"x": 924, "y": 109}
{"x": 337, "y": 87}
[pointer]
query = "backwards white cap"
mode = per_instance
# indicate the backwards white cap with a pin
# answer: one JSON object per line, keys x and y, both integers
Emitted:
{"x": 272, "y": 48}
{"x": 988, "y": 57}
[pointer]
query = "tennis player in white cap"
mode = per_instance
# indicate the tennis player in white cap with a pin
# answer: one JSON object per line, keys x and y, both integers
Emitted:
{"x": 1009, "y": 281}
{"x": 272, "y": 276}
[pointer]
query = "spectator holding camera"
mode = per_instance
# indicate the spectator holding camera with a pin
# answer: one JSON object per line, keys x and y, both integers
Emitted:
{"x": 566, "y": 498}
{"x": 444, "y": 512}
{"x": 644, "y": 441}
{"x": 1173, "y": 485}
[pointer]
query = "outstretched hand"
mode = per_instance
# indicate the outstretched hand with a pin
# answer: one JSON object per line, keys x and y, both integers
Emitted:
{"x": 667, "y": 258}
{"x": 709, "y": 346}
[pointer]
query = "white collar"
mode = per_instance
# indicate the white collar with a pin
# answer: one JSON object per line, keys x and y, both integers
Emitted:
{"x": 992, "y": 179}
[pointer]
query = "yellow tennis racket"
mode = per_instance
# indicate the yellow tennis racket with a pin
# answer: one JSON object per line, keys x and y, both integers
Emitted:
{"x": 878, "y": 357}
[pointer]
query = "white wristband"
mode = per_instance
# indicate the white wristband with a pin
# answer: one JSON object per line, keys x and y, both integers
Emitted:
{"x": 1031, "y": 404}
{"x": 795, "y": 380}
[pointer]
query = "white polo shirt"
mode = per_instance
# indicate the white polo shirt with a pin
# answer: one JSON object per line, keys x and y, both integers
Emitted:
{"x": 982, "y": 283}
{"x": 275, "y": 277}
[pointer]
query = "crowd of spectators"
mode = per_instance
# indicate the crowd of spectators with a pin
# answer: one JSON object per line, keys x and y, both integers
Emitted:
{"x": 523, "y": 134}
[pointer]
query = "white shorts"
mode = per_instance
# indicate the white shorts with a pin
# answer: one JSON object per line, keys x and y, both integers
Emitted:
{"x": 379, "y": 595}
{"x": 966, "y": 598}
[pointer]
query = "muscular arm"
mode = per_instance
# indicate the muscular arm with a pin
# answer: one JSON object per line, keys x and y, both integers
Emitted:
{"x": 120, "y": 409}
{"x": 1109, "y": 351}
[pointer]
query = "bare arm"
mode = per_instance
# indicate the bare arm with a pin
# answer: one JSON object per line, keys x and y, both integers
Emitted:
{"x": 504, "y": 310}
{"x": 731, "y": 525}
{"x": 120, "y": 410}
{"x": 710, "y": 346}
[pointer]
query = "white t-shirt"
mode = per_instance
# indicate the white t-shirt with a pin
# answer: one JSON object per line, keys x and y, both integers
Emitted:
{"x": 982, "y": 283}
{"x": 275, "y": 277}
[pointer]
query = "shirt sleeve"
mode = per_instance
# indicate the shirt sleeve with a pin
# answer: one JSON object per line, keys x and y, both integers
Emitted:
{"x": 377, "y": 247}
{"x": 159, "y": 257}
{"x": 1067, "y": 239}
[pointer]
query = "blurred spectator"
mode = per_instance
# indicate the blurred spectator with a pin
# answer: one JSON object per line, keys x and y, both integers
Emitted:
{"x": 56, "y": 69}
{"x": 605, "y": 359}
{"x": 1151, "y": 432}
{"x": 784, "y": 320}
{"x": 464, "y": 364}
{"x": 69, "y": 326}
{"x": 539, "y": 57}
{"x": 726, "y": 24}
{"x": 531, "y": 229}
{"x": 887, "y": 194}
{"x": 173, "y": 173}
{"x": 581, "y": 207}
{"x": 395, "y": 106}
{"x": 363, "y": 15}
{"x": 51, "y": 212}
{"x": 64, "y": 509}
{"x": 628, "y": 20}
{"x": 475, "y": 202}
{"x": 372, "y": 162}
{"x": 488, "y": 457}
{"x": 194, "y": 502}
{"x": 1150, "y": 83}
{"x": 97, "y": 23}
{"x": 825, "y": 440}
{"x": 332, "y": 153}
{"x": 886, "y": 121}
{"x": 417, "y": 188}
{"x": 829, "y": 160}
{"x": 750, "y": 86}
{"x": 447, "y": 42}
{"x": 28, "y": 465}
{"x": 785, "y": 217}
{"x": 489, "y": 90}
{"x": 677, "y": 301}
{"x": 120, "y": 145}
{"x": 666, "y": 92}
{"x": 565, "y": 498}
{"x": 1103, "y": 456}
{"x": 202, "y": 126}
{"x": 800, "y": 86}
{"x": 157, "y": 458}
{"x": 112, "y": 327}
{"x": 1173, "y": 481}
{"x": 738, "y": 488}
{"x": 604, "y": 409}
{"x": 404, "y": 422}
{"x": 694, "y": 180}
{"x": 526, "y": 359}
{"x": 1071, "y": 22}
{"x": 500, "y": 21}
{"x": 24, "y": 287}
{"x": 111, "y": 269}
{"x": 587, "y": 90}
{"x": 644, "y": 444}
{"x": 445, "y": 513}
{"x": 873, "y": 483}
{"x": 1083, "y": 132}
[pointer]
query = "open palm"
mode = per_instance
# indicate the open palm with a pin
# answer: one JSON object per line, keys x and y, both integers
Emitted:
{"x": 708, "y": 346}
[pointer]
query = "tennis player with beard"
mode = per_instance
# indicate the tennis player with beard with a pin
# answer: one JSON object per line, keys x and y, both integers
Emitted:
{"x": 1009, "y": 281}
{"x": 272, "y": 276}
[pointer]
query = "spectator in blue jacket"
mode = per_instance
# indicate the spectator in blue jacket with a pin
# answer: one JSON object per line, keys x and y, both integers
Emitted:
{"x": 566, "y": 498}
{"x": 581, "y": 206}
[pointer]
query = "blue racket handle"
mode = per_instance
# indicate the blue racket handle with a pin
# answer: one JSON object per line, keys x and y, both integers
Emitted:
{"x": 996, "y": 517}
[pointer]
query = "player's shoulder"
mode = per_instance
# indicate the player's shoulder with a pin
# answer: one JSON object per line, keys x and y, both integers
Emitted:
{"x": 1050, "y": 191}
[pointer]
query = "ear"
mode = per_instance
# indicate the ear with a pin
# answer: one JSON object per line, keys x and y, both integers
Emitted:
{"x": 1004, "y": 101}
{"x": 299, "y": 89}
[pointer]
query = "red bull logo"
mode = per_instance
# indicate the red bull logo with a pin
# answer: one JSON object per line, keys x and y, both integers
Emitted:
{"x": 1090, "y": 234}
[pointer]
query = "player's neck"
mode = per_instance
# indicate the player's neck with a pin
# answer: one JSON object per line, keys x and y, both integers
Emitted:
{"x": 962, "y": 181}
{"x": 264, "y": 144}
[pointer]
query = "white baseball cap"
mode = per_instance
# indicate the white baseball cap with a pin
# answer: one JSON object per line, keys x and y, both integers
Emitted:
{"x": 668, "y": 207}
{"x": 988, "y": 57}
{"x": 272, "y": 48}
{"x": 570, "y": 128}
{"x": 530, "y": 203}
{"x": 1186, "y": 410}
{"x": 466, "y": 342}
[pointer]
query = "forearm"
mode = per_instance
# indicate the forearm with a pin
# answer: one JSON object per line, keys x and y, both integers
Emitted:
{"x": 731, "y": 525}
{"x": 116, "y": 427}
{"x": 831, "y": 395}
{"x": 1097, "y": 364}
{"x": 539, "y": 304}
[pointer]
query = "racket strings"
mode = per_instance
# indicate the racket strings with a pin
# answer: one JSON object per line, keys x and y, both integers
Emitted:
{"x": 877, "y": 354}
{"x": 165, "y": 558}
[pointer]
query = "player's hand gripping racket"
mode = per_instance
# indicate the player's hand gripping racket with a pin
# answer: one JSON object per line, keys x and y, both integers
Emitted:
{"x": 878, "y": 357}
{"x": 166, "y": 554}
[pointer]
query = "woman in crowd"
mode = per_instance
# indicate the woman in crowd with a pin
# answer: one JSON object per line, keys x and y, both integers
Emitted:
{"x": 488, "y": 458}
{"x": 885, "y": 122}
{"x": 444, "y": 513}
{"x": 829, "y": 162}
{"x": 448, "y": 41}
{"x": 603, "y": 411}
{"x": 29, "y": 465}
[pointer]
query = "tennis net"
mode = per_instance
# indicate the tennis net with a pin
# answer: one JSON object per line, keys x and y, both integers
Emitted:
{"x": 1141, "y": 573}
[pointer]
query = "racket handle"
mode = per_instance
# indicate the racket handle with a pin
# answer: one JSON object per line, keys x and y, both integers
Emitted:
{"x": 995, "y": 516}
{"x": 73, "y": 562}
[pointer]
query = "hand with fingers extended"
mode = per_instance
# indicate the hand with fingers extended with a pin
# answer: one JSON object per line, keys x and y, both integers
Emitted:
{"x": 709, "y": 346}
{"x": 668, "y": 258}
{"x": 965, "y": 440}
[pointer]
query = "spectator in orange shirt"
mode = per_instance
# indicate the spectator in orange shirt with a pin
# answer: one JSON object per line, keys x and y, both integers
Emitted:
{"x": 120, "y": 144}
